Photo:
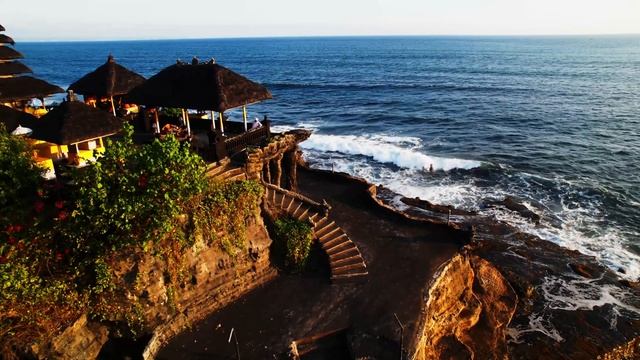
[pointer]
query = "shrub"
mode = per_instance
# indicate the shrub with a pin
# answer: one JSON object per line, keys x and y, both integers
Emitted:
{"x": 297, "y": 237}
{"x": 133, "y": 193}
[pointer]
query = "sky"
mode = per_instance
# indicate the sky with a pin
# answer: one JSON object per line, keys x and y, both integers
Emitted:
{"x": 42, "y": 20}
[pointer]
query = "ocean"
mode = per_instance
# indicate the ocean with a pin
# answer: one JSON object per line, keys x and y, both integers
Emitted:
{"x": 551, "y": 121}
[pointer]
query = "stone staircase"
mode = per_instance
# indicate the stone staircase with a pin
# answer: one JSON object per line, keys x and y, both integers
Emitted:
{"x": 225, "y": 171}
{"x": 345, "y": 260}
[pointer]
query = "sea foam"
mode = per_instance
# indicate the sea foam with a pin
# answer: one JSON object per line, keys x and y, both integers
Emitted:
{"x": 385, "y": 150}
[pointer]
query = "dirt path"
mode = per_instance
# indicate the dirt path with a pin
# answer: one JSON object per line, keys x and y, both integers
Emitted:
{"x": 401, "y": 257}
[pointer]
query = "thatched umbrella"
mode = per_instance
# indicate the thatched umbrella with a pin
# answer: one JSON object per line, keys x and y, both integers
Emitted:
{"x": 7, "y": 53}
{"x": 24, "y": 88}
{"x": 72, "y": 122}
{"x": 107, "y": 81}
{"x": 12, "y": 118}
{"x": 2, "y": 28}
{"x": 201, "y": 86}
{"x": 4, "y": 39}
{"x": 13, "y": 68}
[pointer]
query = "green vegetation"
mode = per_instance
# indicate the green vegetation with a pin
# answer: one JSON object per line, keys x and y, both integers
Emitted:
{"x": 60, "y": 245}
{"x": 297, "y": 237}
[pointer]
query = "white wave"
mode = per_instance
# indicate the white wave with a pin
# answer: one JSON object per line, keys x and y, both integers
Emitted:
{"x": 384, "y": 150}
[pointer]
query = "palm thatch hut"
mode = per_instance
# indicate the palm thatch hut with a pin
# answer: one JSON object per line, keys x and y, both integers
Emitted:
{"x": 14, "y": 88}
{"x": 24, "y": 88}
{"x": 108, "y": 80}
{"x": 199, "y": 86}
{"x": 12, "y": 118}
{"x": 13, "y": 68}
{"x": 8, "y": 54}
{"x": 74, "y": 130}
{"x": 4, "y": 39}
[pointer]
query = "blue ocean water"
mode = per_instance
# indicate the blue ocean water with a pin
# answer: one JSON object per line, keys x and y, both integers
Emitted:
{"x": 553, "y": 121}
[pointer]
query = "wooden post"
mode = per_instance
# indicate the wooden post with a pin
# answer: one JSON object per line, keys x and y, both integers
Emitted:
{"x": 244, "y": 117}
{"x": 221, "y": 122}
{"x": 213, "y": 120}
{"x": 157, "y": 120}
{"x": 186, "y": 121}
{"x": 113, "y": 107}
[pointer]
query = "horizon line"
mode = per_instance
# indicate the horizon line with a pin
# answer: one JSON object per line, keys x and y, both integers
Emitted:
{"x": 249, "y": 37}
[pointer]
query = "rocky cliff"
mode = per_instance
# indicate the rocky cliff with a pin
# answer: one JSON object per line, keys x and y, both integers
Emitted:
{"x": 209, "y": 279}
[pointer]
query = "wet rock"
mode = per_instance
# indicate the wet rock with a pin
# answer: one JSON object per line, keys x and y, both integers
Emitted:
{"x": 583, "y": 270}
{"x": 515, "y": 205}
{"x": 426, "y": 205}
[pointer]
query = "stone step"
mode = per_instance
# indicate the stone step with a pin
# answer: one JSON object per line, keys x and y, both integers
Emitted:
{"x": 287, "y": 206}
{"x": 304, "y": 215}
{"x": 320, "y": 221}
{"x": 237, "y": 177}
{"x": 351, "y": 268}
{"x": 348, "y": 252}
{"x": 216, "y": 170}
{"x": 340, "y": 247}
{"x": 330, "y": 234}
{"x": 334, "y": 240}
{"x": 359, "y": 276}
{"x": 346, "y": 261}
{"x": 320, "y": 230}
{"x": 277, "y": 199}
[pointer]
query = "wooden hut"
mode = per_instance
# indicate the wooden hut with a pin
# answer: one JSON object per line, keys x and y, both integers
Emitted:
{"x": 15, "y": 88}
{"x": 199, "y": 86}
{"x": 74, "y": 130}
{"x": 106, "y": 82}
{"x": 13, "y": 68}
{"x": 4, "y": 39}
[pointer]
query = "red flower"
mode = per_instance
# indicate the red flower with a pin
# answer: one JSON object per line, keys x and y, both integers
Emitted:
{"x": 40, "y": 193}
{"x": 38, "y": 206}
{"x": 59, "y": 204}
{"x": 143, "y": 181}
{"x": 59, "y": 256}
{"x": 62, "y": 215}
{"x": 3, "y": 259}
{"x": 10, "y": 229}
{"x": 17, "y": 228}
{"x": 11, "y": 240}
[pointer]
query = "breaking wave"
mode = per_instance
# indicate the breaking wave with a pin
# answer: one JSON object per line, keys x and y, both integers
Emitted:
{"x": 385, "y": 149}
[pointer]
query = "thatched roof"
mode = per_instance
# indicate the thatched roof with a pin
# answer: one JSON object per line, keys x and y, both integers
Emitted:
{"x": 72, "y": 122}
{"x": 2, "y": 28}
{"x": 108, "y": 79}
{"x": 4, "y": 39}
{"x": 8, "y": 53}
{"x": 11, "y": 118}
{"x": 25, "y": 87}
{"x": 11, "y": 68}
{"x": 205, "y": 86}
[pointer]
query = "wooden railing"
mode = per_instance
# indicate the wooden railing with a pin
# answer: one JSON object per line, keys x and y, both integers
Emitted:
{"x": 240, "y": 142}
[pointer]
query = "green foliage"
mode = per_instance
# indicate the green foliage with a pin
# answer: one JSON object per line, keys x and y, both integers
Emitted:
{"x": 172, "y": 112}
{"x": 19, "y": 178}
{"x": 59, "y": 244}
{"x": 132, "y": 194}
{"x": 297, "y": 236}
{"x": 222, "y": 211}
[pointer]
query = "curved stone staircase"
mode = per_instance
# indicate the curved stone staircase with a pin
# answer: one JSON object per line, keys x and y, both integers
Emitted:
{"x": 345, "y": 260}
{"x": 225, "y": 171}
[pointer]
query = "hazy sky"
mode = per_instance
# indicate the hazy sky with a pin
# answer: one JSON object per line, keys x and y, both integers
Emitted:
{"x": 147, "y": 19}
